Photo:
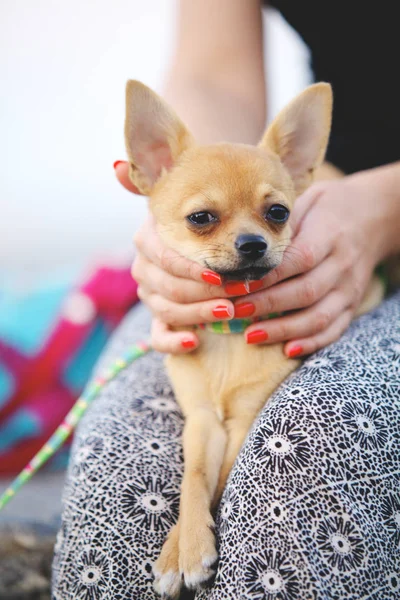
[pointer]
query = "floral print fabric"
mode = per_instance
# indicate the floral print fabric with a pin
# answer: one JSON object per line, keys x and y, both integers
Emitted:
{"x": 311, "y": 510}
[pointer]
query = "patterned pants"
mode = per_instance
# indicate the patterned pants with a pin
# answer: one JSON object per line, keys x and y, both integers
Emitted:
{"x": 312, "y": 506}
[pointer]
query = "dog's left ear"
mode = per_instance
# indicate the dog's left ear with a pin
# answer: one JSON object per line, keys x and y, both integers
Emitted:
{"x": 154, "y": 136}
{"x": 299, "y": 134}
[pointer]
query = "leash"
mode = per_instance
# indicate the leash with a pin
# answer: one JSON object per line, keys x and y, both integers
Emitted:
{"x": 76, "y": 413}
{"x": 64, "y": 430}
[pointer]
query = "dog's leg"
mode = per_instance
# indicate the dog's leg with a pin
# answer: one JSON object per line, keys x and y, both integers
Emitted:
{"x": 168, "y": 580}
{"x": 243, "y": 410}
{"x": 204, "y": 444}
{"x": 190, "y": 548}
{"x": 237, "y": 429}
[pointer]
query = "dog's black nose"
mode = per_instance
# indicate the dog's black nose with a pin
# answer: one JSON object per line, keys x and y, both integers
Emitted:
{"x": 251, "y": 246}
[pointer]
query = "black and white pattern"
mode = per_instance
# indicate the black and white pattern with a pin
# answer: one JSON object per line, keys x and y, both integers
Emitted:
{"x": 311, "y": 510}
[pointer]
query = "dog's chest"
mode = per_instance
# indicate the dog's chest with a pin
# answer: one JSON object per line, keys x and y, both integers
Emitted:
{"x": 233, "y": 368}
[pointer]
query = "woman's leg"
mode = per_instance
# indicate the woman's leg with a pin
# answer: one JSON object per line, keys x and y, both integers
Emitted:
{"x": 122, "y": 491}
{"x": 312, "y": 506}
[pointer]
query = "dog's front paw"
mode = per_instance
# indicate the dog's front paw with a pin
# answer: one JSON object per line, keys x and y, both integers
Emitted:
{"x": 168, "y": 580}
{"x": 197, "y": 554}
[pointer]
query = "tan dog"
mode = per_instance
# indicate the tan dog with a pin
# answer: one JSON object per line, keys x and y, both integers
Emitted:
{"x": 225, "y": 206}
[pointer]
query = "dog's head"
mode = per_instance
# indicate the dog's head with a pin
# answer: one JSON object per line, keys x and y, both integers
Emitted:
{"x": 226, "y": 206}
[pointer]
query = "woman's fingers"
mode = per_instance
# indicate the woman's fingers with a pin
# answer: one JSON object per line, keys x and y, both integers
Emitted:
{"x": 121, "y": 168}
{"x": 152, "y": 247}
{"x": 164, "y": 339}
{"x": 304, "y": 204}
{"x": 298, "y": 325}
{"x": 312, "y": 244}
{"x": 178, "y": 315}
{"x": 182, "y": 291}
{"x": 299, "y": 292}
{"x": 308, "y": 345}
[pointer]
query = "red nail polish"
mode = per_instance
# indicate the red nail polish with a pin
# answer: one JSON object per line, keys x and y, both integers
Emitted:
{"x": 188, "y": 343}
{"x": 211, "y": 277}
{"x": 118, "y": 162}
{"x": 237, "y": 288}
{"x": 254, "y": 286}
{"x": 295, "y": 351}
{"x": 244, "y": 309}
{"x": 221, "y": 312}
{"x": 257, "y": 336}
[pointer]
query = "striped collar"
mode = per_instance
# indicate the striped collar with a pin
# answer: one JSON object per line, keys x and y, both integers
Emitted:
{"x": 235, "y": 325}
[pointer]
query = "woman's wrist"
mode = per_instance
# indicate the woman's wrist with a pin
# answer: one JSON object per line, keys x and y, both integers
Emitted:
{"x": 215, "y": 113}
{"x": 382, "y": 186}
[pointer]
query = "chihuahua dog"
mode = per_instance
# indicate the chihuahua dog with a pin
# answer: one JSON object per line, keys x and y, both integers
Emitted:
{"x": 227, "y": 207}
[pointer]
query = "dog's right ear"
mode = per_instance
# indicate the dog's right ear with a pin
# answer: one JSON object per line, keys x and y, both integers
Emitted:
{"x": 154, "y": 136}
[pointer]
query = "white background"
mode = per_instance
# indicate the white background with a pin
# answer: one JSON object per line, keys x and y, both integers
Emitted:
{"x": 63, "y": 67}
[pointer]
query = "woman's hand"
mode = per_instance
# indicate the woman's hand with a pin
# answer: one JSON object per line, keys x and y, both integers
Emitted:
{"x": 339, "y": 237}
{"x": 178, "y": 291}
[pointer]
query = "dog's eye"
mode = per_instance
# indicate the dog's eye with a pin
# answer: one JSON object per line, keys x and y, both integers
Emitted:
{"x": 201, "y": 218}
{"x": 277, "y": 213}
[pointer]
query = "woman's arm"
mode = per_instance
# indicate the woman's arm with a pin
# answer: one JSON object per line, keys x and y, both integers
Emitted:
{"x": 216, "y": 82}
{"x": 386, "y": 183}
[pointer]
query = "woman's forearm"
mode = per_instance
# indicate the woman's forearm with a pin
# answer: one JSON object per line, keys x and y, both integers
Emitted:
{"x": 216, "y": 83}
{"x": 385, "y": 181}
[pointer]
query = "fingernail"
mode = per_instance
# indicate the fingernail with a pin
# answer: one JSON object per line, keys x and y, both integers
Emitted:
{"x": 222, "y": 312}
{"x": 257, "y": 336}
{"x": 244, "y": 309}
{"x": 237, "y": 288}
{"x": 188, "y": 343}
{"x": 118, "y": 162}
{"x": 295, "y": 351}
{"x": 211, "y": 277}
{"x": 254, "y": 286}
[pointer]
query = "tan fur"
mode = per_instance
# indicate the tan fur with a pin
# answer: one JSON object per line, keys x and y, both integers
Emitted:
{"x": 221, "y": 386}
{"x": 293, "y": 138}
